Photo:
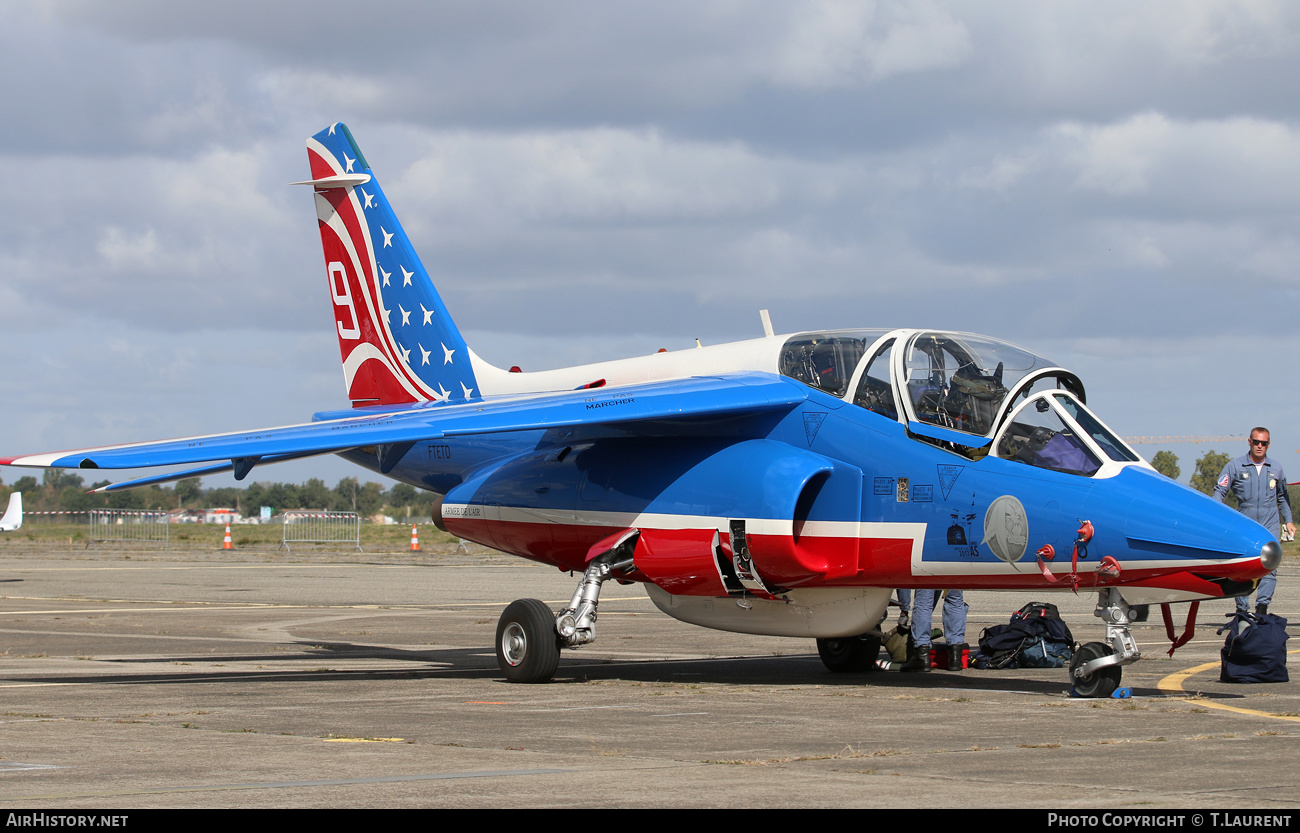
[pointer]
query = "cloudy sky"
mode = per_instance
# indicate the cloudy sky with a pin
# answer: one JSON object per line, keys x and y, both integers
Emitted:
{"x": 1115, "y": 185}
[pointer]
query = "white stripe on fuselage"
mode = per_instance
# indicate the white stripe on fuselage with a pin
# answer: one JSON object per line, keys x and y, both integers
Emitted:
{"x": 666, "y": 520}
{"x": 865, "y": 530}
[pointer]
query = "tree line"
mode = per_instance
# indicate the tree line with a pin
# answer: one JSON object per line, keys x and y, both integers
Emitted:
{"x": 64, "y": 490}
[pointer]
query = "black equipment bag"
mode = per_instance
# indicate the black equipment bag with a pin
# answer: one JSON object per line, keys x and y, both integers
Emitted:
{"x": 1036, "y": 624}
{"x": 1044, "y": 615}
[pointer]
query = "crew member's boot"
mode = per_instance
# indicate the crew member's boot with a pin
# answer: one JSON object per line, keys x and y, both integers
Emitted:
{"x": 919, "y": 660}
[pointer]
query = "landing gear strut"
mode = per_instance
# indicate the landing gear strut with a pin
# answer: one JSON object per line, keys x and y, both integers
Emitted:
{"x": 529, "y": 636}
{"x": 1096, "y": 667}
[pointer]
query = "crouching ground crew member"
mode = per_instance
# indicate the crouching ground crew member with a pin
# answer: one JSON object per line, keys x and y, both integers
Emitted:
{"x": 1259, "y": 485}
{"x": 954, "y": 624}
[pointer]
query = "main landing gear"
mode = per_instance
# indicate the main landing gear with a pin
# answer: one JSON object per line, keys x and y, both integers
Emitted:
{"x": 1096, "y": 668}
{"x": 529, "y": 636}
{"x": 528, "y": 648}
{"x": 849, "y": 654}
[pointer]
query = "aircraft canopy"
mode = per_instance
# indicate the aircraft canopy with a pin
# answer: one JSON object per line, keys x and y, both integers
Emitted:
{"x": 961, "y": 391}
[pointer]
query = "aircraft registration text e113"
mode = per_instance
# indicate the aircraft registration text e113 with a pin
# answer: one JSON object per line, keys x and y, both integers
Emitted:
{"x": 784, "y": 485}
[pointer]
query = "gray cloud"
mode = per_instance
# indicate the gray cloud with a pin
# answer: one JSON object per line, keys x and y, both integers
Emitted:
{"x": 1113, "y": 184}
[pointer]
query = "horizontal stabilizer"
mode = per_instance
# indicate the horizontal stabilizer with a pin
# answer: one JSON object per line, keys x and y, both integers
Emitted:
{"x": 701, "y": 397}
{"x": 336, "y": 181}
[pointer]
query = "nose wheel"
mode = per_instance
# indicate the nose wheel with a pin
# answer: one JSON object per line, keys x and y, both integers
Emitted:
{"x": 1099, "y": 683}
{"x": 1096, "y": 668}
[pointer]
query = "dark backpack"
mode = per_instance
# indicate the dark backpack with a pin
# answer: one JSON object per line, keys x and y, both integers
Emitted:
{"x": 1046, "y": 615}
{"x": 1255, "y": 653}
{"x": 1035, "y": 638}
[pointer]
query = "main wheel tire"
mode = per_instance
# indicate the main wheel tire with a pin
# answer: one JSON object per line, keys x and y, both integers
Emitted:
{"x": 849, "y": 654}
{"x": 1103, "y": 681}
{"x": 528, "y": 648}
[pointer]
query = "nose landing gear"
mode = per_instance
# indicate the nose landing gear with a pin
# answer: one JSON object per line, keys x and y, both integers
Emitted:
{"x": 1097, "y": 667}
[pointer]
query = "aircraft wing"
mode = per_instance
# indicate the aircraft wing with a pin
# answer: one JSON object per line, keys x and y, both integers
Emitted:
{"x": 701, "y": 396}
{"x": 202, "y": 471}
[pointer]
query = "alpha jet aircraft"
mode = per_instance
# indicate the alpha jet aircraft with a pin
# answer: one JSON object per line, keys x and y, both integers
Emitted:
{"x": 783, "y": 485}
{"x": 13, "y": 517}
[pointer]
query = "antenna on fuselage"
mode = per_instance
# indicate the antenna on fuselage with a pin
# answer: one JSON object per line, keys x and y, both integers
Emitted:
{"x": 767, "y": 323}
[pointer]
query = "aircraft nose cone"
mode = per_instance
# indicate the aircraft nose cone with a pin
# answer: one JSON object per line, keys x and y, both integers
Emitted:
{"x": 1270, "y": 555}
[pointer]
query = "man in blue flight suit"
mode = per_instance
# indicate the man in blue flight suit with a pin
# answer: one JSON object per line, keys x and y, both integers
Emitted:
{"x": 1260, "y": 488}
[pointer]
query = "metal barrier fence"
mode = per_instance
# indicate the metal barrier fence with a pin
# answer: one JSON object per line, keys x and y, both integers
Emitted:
{"x": 112, "y": 526}
{"x": 321, "y": 528}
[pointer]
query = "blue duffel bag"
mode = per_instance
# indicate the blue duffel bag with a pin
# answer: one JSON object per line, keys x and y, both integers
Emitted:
{"x": 1255, "y": 650}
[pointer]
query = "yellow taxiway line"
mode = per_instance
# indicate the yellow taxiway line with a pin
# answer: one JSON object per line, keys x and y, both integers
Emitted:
{"x": 1174, "y": 684}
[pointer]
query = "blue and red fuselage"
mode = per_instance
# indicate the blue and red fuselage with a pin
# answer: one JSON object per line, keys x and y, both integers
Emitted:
{"x": 832, "y": 495}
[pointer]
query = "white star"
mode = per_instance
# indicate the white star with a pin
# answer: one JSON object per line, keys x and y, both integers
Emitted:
{"x": 370, "y": 199}
{"x": 388, "y": 315}
{"x": 386, "y": 275}
{"x": 406, "y": 276}
{"x": 445, "y": 393}
{"x": 446, "y": 354}
{"x": 350, "y": 161}
{"x": 406, "y": 316}
{"x": 388, "y": 237}
{"x": 332, "y": 126}
{"x": 424, "y": 354}
{"x": 468, "y": 391}
{"x": 406, "y": 354}
{"x": 428, "y": 313}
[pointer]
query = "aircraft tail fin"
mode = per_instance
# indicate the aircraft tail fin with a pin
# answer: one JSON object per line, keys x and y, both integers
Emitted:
{"x": 397, "y": 341}
{"x": 13, "y": 517}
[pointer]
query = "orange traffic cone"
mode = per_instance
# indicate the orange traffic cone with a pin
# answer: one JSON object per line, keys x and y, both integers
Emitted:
{"x": 226, "y": 544}
{"x": 415, "y": 538}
